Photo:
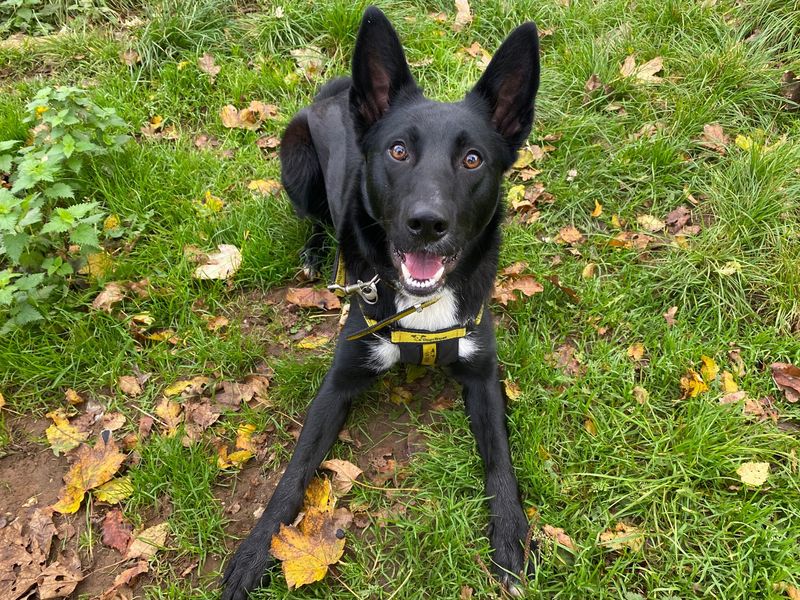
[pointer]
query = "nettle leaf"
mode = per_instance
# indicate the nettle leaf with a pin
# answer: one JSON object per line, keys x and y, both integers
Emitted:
{"x": 14, "y": 244}
{"x": 34, "y": 215}
{"x": 28, "y": 282}
{"x": 85, "y": 234}
{"x": 5, "y": 163}
{"x": 59, "y": 190}
{"x": 78, "y": 211}
{"x": 7, "y": 295}
{"x": 8, "y": 145}
{"x": 56, "y": 225}
{"x": 68, "y": 145}
{"x": 27, "y": 314}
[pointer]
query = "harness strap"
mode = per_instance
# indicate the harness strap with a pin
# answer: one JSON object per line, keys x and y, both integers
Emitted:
{"x": 393, "y": 319}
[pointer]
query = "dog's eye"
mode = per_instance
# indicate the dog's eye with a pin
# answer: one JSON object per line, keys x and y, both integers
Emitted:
{"x": 472, "y": 160}
{"x": 398, "y": 151}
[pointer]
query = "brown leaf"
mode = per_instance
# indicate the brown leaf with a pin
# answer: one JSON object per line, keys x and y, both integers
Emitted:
{"x": 112, "y": 293}
{"x": 505, "y": 291}
{"x": 170, "y": 413}
{"x": 24, "y": 548}
{"x": 62, "y": 435}
{"x": 463, "y": 15}
{"x": 233, "y": 394}
{"x": 267, "y": 187}
{"x": 645, "y": 73}
{"x": 248, "y": 118}
{"x": 345, "y": 474}
{"x": 791, "y": 591}
{"x": 220, "y": 265}
{"x": 129, "y": 386}
{"x": 677, "y": 219}
{"x": 146, "y": 543}
{"x": 216, "y": 323}
{"x": 130, "y": 57}
{"x": 669, "y": 316}
{"x": 60, "y": 578}
{"x": 310, "y": 61}
{"x": 631, "y": 240}
{"x": 122, "y": 580}
{"x": 93, "y": 467}
{"x": 559, "y": 536}
{"x": 313, "y": 298}
{"x": 116, "y": 531}
{"x": 564, "y": 359}
{"x": 715, "y": 138}
{"x": 623, "y": 536}
{"x": 206, "y": 65}
{"x": 205, "y": 141}
{"x": 199, "y": 416}
{"x": 593, "y": 83}
{"x": 570, "y": 235}
{"x": 787, "y": 378}
{"x": 636, "y": 352}
{"x": 268, "y": 142}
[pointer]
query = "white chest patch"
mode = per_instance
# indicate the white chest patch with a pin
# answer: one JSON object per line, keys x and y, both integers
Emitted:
{"x": 440, "y": 315}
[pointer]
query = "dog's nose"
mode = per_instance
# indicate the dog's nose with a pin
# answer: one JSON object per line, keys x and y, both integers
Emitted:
{"x": 427, "y": 224}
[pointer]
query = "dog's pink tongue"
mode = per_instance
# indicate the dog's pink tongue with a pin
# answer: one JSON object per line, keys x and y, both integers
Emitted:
{"x": 421, "y": 265}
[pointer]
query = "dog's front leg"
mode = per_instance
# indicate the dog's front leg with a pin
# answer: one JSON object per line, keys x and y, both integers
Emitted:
{"x": 324, "y": 420}
{"x": 508, "y": 526}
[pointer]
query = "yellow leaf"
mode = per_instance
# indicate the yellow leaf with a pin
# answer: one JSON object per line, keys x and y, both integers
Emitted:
{"x": 111, "y": 222}
{"x": 401, "y": 395}
{"x": 93, "y": 467}
{"x": 753, "y": 473}
{"x": 616, "y": 222}
{"x": 636, "y": 352}
{"x": 728, "y": 383}
{"x": 268, "y": 187}
{"x": 729, "y": 268}
{"x": 209, "y": 204}
{"x": 72, "y": 397}
{"x": 589, "y": 270}
{"x": 590, "y": 427}
{"x": 641, "y": 394}
{"x": 244, "y": 437}
{"x": 307, "y": 552}
{"x": 709, "y": 369}
{"x": 169, "y": 412}
{"x": 516, "y": 193}
{"x": 319, "y": 495}
{"x": 313, "y": 342}
{"x": 512, "y": 389}
{"x": 598, "y": 209}
{"x": 114, "y": 491}
{"x": 623, "y": 536}
{"x": 2, "y": 400}
{"x": 791, "y": 591}
{"x": 650, "y": 223}
{"x": 345, "y": 474}
{"x": 98, "y": 264}
{"x": 744, "y": 142}
{"x": 692, "y": 384}
{"x": 233, "y": 460}
{"x": 62, "y": 436}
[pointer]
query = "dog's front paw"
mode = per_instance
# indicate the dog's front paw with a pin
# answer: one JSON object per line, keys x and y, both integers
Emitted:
{"x": 246, "y": 571}
{"x": 508, "y": 537}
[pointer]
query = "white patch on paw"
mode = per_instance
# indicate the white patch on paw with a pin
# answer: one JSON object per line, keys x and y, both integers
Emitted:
{"x": 384, "y": 353}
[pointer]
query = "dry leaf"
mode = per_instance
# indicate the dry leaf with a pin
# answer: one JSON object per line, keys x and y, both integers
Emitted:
{"x": 129, "y": 386}
{"x": 669, "y": 316}
{"x": 709, "y": 370}
{"x": 93, "y": 467}
{"x": 564, "y": 359}
{"x": 234, "y": 460}
{"x": 114, "y": 491}
{"x": 692, "y": 384}
{"x": 589, "y": 270}
{"x": 267, "y": 187}
{"x": 463, "y": 15}
{"x": 791, "y": 591}
{"x": 345, "y": 474}
{"x": 121, "y": 582}
{"x": 206, "y": 65}
{"x": 598, "y": 209}
{"x": 623, "y": 536}
{"x": 589, "y": 426}
{"x": 559, "y": 536}
{"x": 248, "y": 118}
{"x": 62, "y": 435}
{"x": 170, "y": 413}
{"x": 310, "y": 61}
{"x": 220, "y": 265}
{"x": 728, "y": 383}
{"x": 312, "y": 342}
{"x": 753, "y": 473}
{"x": 715, "y": 138}
{"x": 60, "y": 578}
{"x": 146, "y": 543}
{"x": 512, "y": 389}
{"x": 787, "y": 378}
{"x": 116, "y": 531}
{"x": 628, "y": 66}
{"x": 216, "y": 323}
{"x": 650, "y": 223}
{"x": 112, "y": 293}
{"x": 645, "y": 73}
{"x": 636, "y": 352}
{"x": 130, "y": 57}
{"x": 505, "y": 290}
{"x": 641, "y": 394}
{"x": 313, "y": 298}
{"x": 570, "y": 235}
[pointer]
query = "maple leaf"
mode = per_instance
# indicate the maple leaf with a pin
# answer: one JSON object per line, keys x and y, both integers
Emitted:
{"x": 319, "y": 494}
{"x": 787, "y": 378}
{"x": 313, "y": 298}
{"x": 692, "y": 384}
{"x": 345, "y": 474}
{"x": 463, "y": 15}
{"x": 129, "y": 386}
{"x": 170, "y": 413}
{"x": 62, "y": 435}
{"x": 114, "y": 491}
{"x": 669, "y": 316}
{"x": 526, "y": 285}
{"x": 623, "y": 536}
{"x": 112, "y": 293}
{"x": 220, "y": 265}
{"x": 206, "y": 65}
{"x": 116, "y": 531}
{"x": 306, "y": 551}
{"x": 93, "y": 467}
{"x": 60, "y": 578}
{"x": 570, "y": 235}
{"x": 753, "y": 474}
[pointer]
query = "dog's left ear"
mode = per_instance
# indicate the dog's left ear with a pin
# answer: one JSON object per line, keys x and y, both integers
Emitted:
{"x": 508, "y": 86}
{"x": 380, "y": 70}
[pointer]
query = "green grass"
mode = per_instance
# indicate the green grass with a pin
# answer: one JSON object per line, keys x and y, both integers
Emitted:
{"x": 667, "y": 466}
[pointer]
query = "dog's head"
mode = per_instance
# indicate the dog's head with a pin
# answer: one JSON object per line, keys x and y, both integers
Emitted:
{"x": 434, "y": 170}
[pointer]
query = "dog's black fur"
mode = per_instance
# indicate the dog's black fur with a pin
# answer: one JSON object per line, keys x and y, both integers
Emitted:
{"x": 342, "y": 166}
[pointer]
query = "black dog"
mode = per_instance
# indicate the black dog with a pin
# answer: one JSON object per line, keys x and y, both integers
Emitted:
{"x": 412, "y": 188}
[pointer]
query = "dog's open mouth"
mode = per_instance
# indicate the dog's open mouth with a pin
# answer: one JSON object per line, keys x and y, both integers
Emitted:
{"x": 422, "y": 273}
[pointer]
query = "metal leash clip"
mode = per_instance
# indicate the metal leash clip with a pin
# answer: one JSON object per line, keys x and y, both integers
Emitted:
{"x": 367, "y": 290}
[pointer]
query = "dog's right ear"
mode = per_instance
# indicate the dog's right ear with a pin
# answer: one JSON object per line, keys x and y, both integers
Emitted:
{"x": 380, "y": 70}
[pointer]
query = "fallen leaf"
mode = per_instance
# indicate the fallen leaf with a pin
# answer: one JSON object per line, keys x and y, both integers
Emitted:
{"x": 118, "y": 589}
{"x": 205, "y": 141}
{"x": 463, "y": 15}
{"x": 728, "y": 383}
{"x": 60, "y": 578}
{"x": 217, "y": 323}
{"x": 206, "y": 65}
{"x": 598, "y": 209}
{"x": 736, "y": 357}
{"x": 116, "y": 531}
{"x": 559, "y": 536}
{"x": 715, "y": 138}
{"x": 268, "y": 142}
{"x": 313, "y": 298}
{"x": 93, "y": 467}
{"x": 645, "y": 73}
{"x": 669, "y": 316}
{"x": 234, "y": 460}
{"x": 130, "y": 57}
{"x": 345, "y": 474}
{"x": 157, "y": 129}
{"x": 753, "y": 473}
{"x": 570, "y": 235}
{"x": 709, "y": 370}
{"x": 310, "y": 61}
{"x": 112, "y": 421}
{"x": 248, "y": 118}
{"x": 593, "y": 83}
{"x": 312, "y": 342}
{"x": 220, "y": 265}
{"x": 267, "y": 187}
{"x": 565, "y": 359}
{"x": 209, "y": 205}
{"x": 478, "y": 52}
{"x": 589, "y": 426}
{"x": 129, "y": 386}
{"x": 112, "y": 293}
{"x": 641, "y": 394}
{"x": 512, "y": 390}
{"x": 636, "y": 352}
{"x": 692, "y": 384}
{"x": 589, "y": 271}
{"x": 170, "y": 414}
{"x": 628, "y": 66}
{"x": 114, "y": 491}
{"x": 319, "y": 494}
{"x": 62, "y": 435}
{"x": 744, "y": 142}
{"x": 650, "y": 223}
{"x": 146, "y": 543}
{"x": 787, "y": 378}
{"x": 623, "y": 536}
{"x": 505, "y": 290}
{"x": 791, "y": 591}
{"x": 678, "y": 219}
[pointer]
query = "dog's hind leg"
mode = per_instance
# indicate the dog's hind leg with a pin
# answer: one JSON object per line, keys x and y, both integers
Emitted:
{"x": 302, "y": 178}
